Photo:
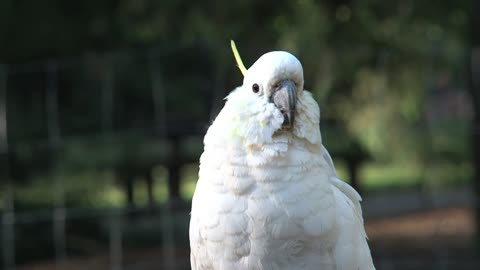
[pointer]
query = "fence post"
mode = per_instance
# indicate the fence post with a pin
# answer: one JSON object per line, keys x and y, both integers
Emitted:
{"x": 160, "y": 107}
{"x": 8, "y": 213}
{"x": 107, "y": 95}
{"x": 168, "y": 239}
{"x": 116, "y": 248}
{"x": 158, "y": 95}
{"x": 53, "y": 127}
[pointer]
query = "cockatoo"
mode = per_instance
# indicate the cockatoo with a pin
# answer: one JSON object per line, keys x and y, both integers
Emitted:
{"x": 268, "y": 196}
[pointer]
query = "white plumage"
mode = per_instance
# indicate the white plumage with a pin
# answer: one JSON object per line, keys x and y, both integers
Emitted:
{"x": 268, "y": 196}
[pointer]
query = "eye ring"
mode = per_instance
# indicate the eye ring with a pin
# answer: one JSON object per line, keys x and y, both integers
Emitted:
{"x": 255, "y": 88}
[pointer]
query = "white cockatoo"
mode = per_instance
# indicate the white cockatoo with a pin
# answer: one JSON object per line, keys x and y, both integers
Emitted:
{"x": 268, "y": 196}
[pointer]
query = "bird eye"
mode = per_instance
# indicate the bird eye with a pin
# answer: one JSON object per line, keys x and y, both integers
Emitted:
{"x": 255, "y": 88}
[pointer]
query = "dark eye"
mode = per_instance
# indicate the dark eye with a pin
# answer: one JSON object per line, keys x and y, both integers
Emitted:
{"x": 255, "y": 88}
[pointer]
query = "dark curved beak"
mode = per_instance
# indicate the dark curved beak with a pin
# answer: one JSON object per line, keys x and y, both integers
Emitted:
{"x": 284, "y": 96}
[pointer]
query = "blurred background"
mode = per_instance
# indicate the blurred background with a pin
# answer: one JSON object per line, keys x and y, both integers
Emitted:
{"x": 104, "y": 104}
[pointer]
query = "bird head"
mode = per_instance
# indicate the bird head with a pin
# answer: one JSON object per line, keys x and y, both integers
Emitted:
{"x": 277, "y": 77}
{"x": 269, "y": 107}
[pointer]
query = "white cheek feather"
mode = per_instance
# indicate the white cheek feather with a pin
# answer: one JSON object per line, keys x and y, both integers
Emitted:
{"x": 307, "y": 122}
{"x": 251, "y": 120}
{"x": 247, "y": 119}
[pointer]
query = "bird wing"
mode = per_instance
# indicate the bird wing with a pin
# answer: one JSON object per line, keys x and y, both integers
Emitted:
{"x": 326, "y": 156}
{"x": 199, "y": 257}
{"x": 354, "y": 198}
{"x": 351, "y": 250}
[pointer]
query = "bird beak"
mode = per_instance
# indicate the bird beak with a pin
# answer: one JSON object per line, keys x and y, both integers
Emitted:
{"x": 284, "y": 96}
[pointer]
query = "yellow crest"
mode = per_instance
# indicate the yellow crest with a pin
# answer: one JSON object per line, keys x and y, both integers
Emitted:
{"x": 240, "y": 64}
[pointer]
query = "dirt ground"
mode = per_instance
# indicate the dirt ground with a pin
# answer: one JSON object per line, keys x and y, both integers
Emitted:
{"x": 434, "y": 239}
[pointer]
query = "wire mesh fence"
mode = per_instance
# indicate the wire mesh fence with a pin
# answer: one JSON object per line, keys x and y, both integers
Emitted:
{"x": 125, "y": 114}
{"x": 48, "y": 86}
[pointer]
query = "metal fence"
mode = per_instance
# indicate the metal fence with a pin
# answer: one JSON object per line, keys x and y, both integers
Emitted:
{"x": 58, "y": 215}
{"x": 166, "y": 226}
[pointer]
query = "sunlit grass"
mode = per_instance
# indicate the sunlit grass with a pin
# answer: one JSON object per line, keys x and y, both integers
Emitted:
{"x": 381, "y": 177}
{"x": 397, "y": 176}
{"x": 189, "y": 176}
{"x": 101, "y": 189}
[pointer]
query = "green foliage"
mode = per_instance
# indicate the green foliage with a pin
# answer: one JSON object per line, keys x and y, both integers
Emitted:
{"x": 371, "y": 64}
